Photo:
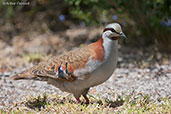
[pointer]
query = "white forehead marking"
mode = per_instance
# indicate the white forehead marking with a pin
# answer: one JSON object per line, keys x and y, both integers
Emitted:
{"x": 115, "y": 26}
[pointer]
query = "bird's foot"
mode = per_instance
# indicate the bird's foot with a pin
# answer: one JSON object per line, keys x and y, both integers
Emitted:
{"x": 86, "y": 98}
{"x": 78, "y": 100}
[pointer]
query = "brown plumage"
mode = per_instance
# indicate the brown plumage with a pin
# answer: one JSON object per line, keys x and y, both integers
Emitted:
{"x": 76, "y": 59}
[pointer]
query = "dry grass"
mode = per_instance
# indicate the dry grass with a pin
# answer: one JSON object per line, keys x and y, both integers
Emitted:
{"x": 137, "y": 104}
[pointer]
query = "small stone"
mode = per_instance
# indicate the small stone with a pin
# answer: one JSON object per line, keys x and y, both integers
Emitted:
{"x": 6, "y": 74}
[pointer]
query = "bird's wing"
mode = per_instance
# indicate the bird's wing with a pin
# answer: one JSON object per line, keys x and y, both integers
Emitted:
{"x": 66, "y": 67}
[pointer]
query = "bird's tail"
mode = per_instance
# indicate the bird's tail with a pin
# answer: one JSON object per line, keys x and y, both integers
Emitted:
{"x": 23, "y": 75}
{"x": 27, "y": 74}
{"x": 34, "y": 73}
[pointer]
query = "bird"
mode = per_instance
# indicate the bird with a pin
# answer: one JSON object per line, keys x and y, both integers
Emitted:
{"x": 78, "y": 70}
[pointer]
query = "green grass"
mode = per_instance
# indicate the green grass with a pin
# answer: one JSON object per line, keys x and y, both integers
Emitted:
{"x": 132, "y": 104}
{"x": 33, "y": 57}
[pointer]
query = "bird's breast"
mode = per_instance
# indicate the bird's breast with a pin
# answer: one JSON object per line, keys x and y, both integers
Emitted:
{"x": 104, "y": 69}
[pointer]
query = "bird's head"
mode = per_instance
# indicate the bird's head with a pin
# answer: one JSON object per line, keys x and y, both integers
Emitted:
{"x": 113, "y": 31}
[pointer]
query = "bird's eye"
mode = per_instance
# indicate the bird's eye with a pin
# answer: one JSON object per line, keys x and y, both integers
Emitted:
{"x": 113, "y": 30}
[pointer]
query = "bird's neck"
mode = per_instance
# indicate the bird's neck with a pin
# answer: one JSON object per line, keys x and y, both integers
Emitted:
{"x": 104, "y": 48}
{"x": 110, "y": 46}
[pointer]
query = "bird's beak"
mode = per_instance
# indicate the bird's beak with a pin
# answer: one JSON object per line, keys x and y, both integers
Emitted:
{"x": 123, "y": 35}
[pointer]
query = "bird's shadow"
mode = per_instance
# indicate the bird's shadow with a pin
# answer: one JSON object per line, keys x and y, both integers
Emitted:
{"x": 110, "y": 103}
{"x": 41, "y": 102}
{"x": 114, "y": 104}
{"x": 37, "y": 103}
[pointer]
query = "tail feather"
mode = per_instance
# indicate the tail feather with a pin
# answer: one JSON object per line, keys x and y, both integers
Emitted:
{"x": 32, "y": 73}
{"x": 27, "y": 74}
{"x": 23, "y": 75}
{"x": 36, "y": 72}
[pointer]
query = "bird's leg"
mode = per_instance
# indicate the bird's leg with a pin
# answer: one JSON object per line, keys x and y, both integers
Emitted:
{"x": 86, "y": 98}
{"x": 78, "y": 100}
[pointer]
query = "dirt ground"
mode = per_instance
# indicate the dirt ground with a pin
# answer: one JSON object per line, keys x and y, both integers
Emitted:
{"x": 138, "y": 71}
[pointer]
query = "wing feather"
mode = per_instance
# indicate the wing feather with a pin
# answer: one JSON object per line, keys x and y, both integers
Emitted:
{"x": 62, "y": 67}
